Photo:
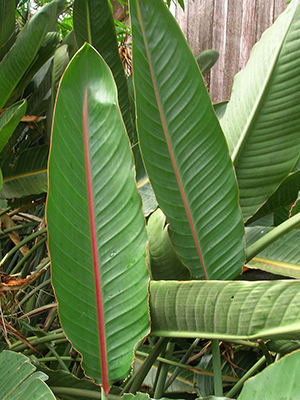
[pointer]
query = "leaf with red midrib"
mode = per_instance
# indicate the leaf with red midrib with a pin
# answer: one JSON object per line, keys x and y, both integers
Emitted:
{"x": 183, "y": 147}
{"x": 97, "y": 234}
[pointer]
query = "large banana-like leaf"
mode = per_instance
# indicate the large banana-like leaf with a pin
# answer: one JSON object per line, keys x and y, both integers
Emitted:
{"x": 97, "y": 233}
{"x": 26, "y": 174}
{"x": 262, "y": 119}
{"x": 183, "y": 147}
{"x": 226, "y": 310}
{"x": 94, "y": 24}
{"x": 23, "y": 52}
{"x": 270, "y": 383}
{"x": 9, "y": 121}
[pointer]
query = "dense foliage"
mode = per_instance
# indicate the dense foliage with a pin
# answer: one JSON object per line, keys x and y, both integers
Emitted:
{"x": 172, "y": 224}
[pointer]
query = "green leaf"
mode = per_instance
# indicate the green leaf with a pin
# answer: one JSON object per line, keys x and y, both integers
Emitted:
{"x": 97, "y": 233}
{"x": 285, "y": 195}
{"x": 270, "y": 383}
{"x": 94, "y": 24}
{"x": 18, "y": 379}
{"x": 225, "y": 310}
{"x": 163, "y": 261}
{"x": 183, "y": 147}
{"x": 25, "y": 174}
{"x": 7, "y": 26}
{"x": 45, "y": 52}
{"x": 281, "y": 257}
{"x": 23, "y": 52}
{"x": 207, "y": 59}
{"x": 262, "y": 118}
{"x": 65, "y": 384}
{"x": 9, "y": 121}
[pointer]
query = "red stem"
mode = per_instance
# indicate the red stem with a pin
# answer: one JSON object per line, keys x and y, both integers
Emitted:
{"x": 100, "y": 314}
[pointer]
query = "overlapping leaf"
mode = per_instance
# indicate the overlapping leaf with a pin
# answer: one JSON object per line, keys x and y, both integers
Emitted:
{"x": 25, "y": 174}
{"x": 262, "y": 119}
{"x": 21, "y": 55}
{"x": 9, "y": 121}
{"x": 183, "y": 147}
{"x": 226, "y": 310}
{"x": 94, "y": 24}
{"x": 270, "y": 383}
{"x": 97, "y": 233}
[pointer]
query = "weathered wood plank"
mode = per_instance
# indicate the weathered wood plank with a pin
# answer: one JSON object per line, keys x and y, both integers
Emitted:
{"x": 232, "y": 28}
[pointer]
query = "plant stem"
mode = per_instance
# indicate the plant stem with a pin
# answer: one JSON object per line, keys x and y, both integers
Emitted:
{"x": 188, "y": 367}
{"x": 57, "y": 356}
{"x": 182, "y": 361}
{"x": 265, "y": 351}
{"x": 87, "y": 394}
{"x": 34, "y": 341}
{"x": 218, "y": 386}
{"x": 27, "y": 255}
{"x": 159, "y": 390}
{"x": 19, "y": 245}
{"x": 103, "y": 395}
{"x": 271, "y": 236}
{"x": 237, "y": 387}
{"x": 136, "y": 381}
{"x": 52, "y": 358}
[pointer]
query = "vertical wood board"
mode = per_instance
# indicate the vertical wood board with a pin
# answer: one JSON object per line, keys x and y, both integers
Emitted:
{"x": 232, "y": 28}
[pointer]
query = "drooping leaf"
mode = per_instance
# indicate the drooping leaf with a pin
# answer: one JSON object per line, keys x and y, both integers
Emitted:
{"x": 25, "y": 174}
{"x": 207, "y": 59}
{"x": 271, "y": 384}
{"x": 18, "y": 379}
{"x": 94, "y": 24}
{"x": 283, "y": 346}
{"x": 225, "y": 310}
{"x": 7, "y": 26}
{"x": 21, "y": 55}
{"x": 163, "y": 260}
{"x": 97, "y": 233}
{"x": 262, "y": 118}
{"x": 183, "y": 147}
{"x": 9, "y": 121}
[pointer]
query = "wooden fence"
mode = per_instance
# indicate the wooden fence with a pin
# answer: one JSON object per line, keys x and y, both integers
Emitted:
{"x": 231, "y": 27}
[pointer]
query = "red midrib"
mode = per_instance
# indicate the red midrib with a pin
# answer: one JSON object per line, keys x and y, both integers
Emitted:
{"x": 170, "y": 148}
{"x": 100, "y": 315}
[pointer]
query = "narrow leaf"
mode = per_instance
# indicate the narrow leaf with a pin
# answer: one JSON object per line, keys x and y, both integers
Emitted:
{"x": 183, "y": 147}
{"x": 7, "y": 26}
{"x": 285, "y": 195}
{"x": 97, "y": 233}
{"x": 9, "y": 121}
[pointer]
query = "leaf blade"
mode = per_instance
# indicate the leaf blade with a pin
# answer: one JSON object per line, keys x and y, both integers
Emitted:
{"x": 120, "y": 225}
{"x": 262, "y": 117}
{"x": 183, "y": 147}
